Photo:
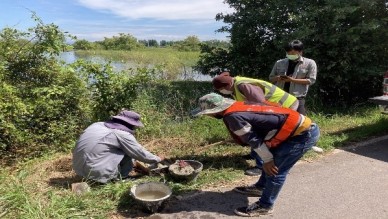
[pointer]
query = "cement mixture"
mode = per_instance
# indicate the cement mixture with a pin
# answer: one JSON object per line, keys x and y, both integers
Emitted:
{"x": 181, "y": 168}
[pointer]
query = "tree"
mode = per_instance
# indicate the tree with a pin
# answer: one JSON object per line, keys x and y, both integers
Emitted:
{"x": 121, "y": 42}
{"x": 153, "y": 43}
{"x": 257, "y": 31}
{"x": 143, "y": 42}
{"x": 191, "y": 43}
{"x": 214, "y": 57}
{"x": 43, "y": 103}
{"x": 149, "y": 43}
{"x": 217, "y": 43}
{"x": 349, "y": 40}
{"x": 164, "y": 43}
{"x": 346, "y": 38}
{"x": 82, "y": 45}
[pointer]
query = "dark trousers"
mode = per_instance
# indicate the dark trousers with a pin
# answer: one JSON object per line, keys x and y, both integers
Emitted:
{"x": 301, "y": 109}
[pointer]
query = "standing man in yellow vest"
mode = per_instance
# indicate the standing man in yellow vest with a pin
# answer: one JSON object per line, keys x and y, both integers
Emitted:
{"x": 253, "y": 91}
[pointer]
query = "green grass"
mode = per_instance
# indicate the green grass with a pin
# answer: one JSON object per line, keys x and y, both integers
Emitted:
{"x": 173, "y": 62}
{"x": 41, "y": 188}
{"x": 338, "y": 130}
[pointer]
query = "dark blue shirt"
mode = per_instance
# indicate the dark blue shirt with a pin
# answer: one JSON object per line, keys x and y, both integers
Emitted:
{"x": 252, "y": 128}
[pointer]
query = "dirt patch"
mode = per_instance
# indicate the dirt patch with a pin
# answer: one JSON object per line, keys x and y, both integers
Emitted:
{"x": 56, "y": 172}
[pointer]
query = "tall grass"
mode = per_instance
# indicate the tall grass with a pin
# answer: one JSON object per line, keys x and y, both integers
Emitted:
{"x": 175, "y": 63}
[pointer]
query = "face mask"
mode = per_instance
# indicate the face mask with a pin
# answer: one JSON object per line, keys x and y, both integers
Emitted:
{"x": 292, "y": 57}
{"x": 226, "y": 92}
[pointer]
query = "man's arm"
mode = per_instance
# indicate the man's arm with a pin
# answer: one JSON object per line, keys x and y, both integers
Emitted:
{"x": 312, "y": 73}
{"x": 252, "y": 93}
{"x": 243, "y": 129}
{"x": 135, "y": 150}
{"x": 310, "y": 78}
{"x": 295, "y": 80}
{"x": 273, "y": 78}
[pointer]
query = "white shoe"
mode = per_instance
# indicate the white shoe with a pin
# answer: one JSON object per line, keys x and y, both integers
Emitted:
{"x": 317, "y": 149}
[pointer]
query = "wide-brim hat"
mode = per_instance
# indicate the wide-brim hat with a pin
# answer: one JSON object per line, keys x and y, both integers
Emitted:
{"x": 129, "y": 117}
{"x": 212, "y": 103}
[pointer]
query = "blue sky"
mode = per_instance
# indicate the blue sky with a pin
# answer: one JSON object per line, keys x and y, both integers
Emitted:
{"x": 144, "y": 19}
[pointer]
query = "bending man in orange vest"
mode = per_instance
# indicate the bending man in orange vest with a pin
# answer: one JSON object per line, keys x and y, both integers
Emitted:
{"x": 253, "y": 91}
{"x": 280, "y": 136}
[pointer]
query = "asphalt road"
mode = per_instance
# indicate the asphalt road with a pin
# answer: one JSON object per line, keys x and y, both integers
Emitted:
{"x": 349, "y": 183}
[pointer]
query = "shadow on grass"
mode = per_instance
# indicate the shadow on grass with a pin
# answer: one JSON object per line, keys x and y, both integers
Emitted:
{"x": 376, "y": 149}
{"x": 361, "y": 133}
{"x": 64, "y": 182}
{"x": 128, "y": 207}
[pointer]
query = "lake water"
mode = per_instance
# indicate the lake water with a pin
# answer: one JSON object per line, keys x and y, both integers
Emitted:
{"x": 187, "y": 74}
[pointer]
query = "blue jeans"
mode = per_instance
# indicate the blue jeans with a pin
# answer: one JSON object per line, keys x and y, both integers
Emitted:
{"x": 259, "y": 162}
{"x": 285, "y": 156}
{"x": 125, "y": 166}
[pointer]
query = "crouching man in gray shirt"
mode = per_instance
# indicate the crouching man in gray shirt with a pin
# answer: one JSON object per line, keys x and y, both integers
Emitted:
{"x": 106, "y": 150}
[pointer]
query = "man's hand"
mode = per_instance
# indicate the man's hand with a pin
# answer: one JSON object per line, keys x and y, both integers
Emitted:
{"x": 270, "y": 169}
{"x": 162, "y": 157}
{"x": 285, "y": 78}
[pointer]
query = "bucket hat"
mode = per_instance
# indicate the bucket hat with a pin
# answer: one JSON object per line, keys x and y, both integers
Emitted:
{"x": 212, "y": 103}
{"x": 129, "y": 117}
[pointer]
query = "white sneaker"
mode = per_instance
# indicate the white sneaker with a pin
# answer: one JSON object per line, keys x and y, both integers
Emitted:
{"x": 317, "y": 149}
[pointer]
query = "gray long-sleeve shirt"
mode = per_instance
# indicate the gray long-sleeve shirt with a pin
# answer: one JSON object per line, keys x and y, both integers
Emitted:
{"x": 305, "y": 69}
{"x": 100, "y": 149}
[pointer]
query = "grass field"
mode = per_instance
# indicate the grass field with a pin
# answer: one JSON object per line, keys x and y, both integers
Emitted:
{"x": 172, "y": 61}
{"x": 41, "y": 188}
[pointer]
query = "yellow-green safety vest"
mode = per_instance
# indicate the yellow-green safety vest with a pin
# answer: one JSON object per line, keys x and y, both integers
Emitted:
{"x": 272, "y": 93}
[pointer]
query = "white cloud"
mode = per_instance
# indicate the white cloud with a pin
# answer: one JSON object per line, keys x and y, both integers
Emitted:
{"x": 160, "y": 10}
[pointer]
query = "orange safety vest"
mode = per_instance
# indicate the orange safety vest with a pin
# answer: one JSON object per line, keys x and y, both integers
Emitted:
{"x": 291, "y": 127}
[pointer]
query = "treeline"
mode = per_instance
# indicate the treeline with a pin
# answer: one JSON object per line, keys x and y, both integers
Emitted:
{"x": 128, "y": 42}
{"x": 347, "y": 39}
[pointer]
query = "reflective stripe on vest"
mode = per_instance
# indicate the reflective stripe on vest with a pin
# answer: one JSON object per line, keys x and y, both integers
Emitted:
{"x": 272, "y": 93}
{"x": 291, "y": 123}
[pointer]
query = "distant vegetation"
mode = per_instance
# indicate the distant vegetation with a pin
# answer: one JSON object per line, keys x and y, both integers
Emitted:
{"x": 175, "y": 58}
{"x": 128, "y": 42}
{"x": 173, "y": 64}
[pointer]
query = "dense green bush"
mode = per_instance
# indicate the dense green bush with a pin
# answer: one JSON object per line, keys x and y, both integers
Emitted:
{"x": 191, "y": 43}
{"x": 45, "y": 104}
{"x": 158, "y": 101}
{"x": 121, "y": 42}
